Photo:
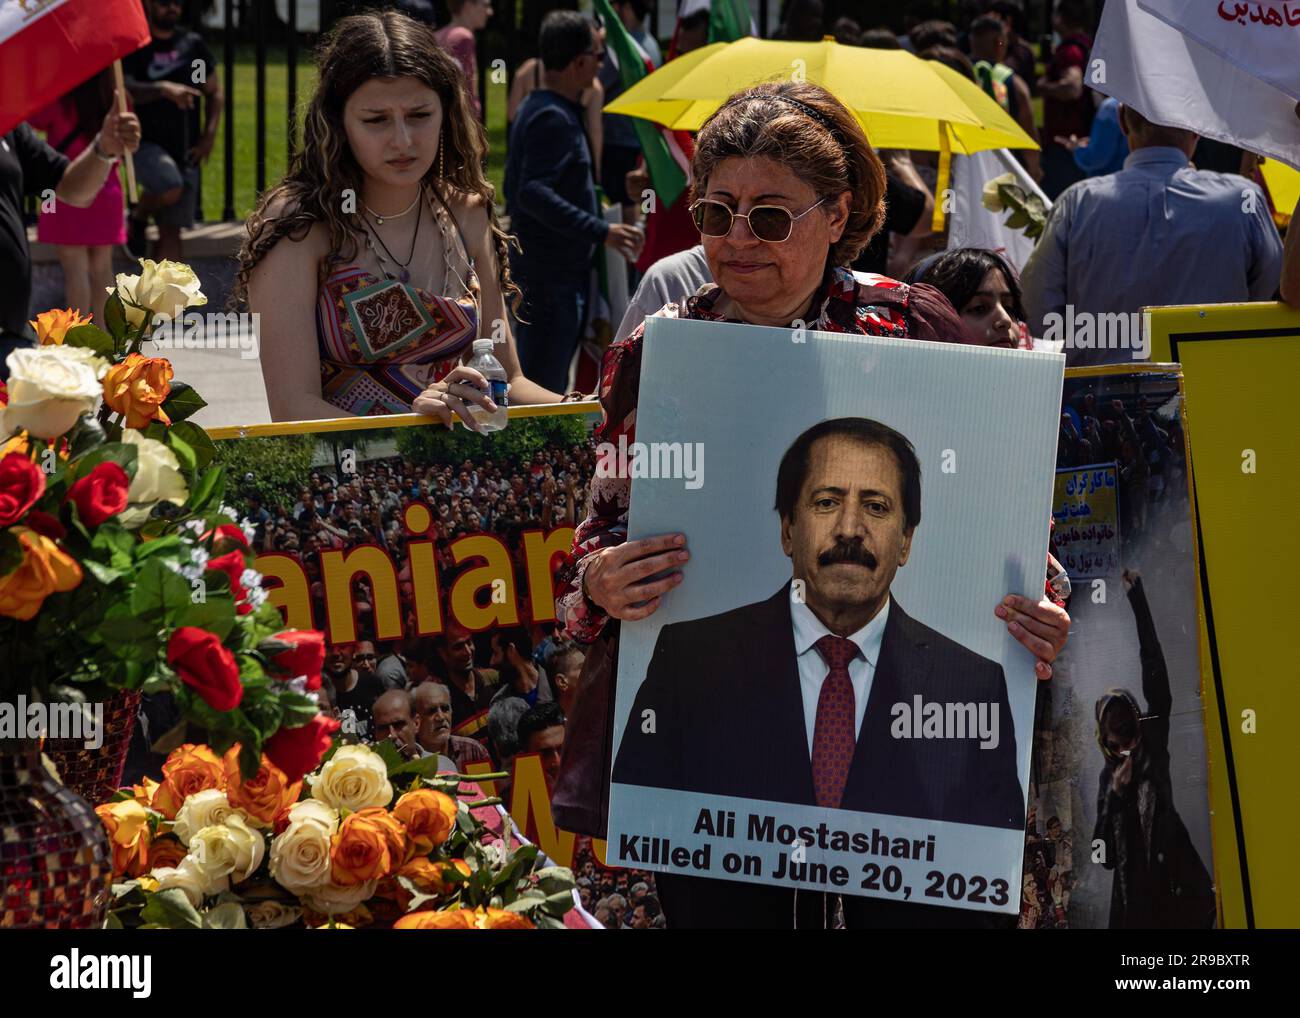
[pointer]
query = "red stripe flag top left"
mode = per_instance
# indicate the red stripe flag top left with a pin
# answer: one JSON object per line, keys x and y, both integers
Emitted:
{"x": 49, "y": 47}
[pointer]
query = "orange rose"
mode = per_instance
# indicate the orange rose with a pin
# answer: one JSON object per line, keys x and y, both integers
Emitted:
{"x": 53, "y": 325}
{"x": 143, "y": 793}
{"x": 430, "y": 876}
{"x": 127, "y": 825}
{"x": 137, "y": 388}
{"x": 464, "y": 919}
{"x": 166, "y": 850}
{"x": 188, "y": 769}
{"x": 399, "y": 846}
{"x": 429, "y": 817}
{"x": 45, "y": 569}
{"x": 359, "y": 918}
{"x": 264, "y": 797}
{"x": 359, "y": 851}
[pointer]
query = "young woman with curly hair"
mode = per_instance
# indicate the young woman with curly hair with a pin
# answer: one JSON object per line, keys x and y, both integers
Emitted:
{"x": 378, "y": 260}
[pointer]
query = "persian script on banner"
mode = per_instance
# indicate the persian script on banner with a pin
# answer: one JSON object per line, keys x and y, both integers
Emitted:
{"x": 1086, "y": 511}
{"x": 1260, "y": 38}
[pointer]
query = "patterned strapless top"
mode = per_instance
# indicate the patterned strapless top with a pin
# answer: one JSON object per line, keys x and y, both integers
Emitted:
{"x": 382, "y": 342}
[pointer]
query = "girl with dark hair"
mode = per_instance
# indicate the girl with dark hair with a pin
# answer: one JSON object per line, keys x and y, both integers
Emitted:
{"x": 378, "y": 260}
{"x": 83, "y": 238}
{"x": 984, "y": 289}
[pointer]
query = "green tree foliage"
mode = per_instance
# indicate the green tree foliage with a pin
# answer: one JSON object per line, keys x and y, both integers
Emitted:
{"x": 425, "y": 445}
{"x": 275, "y": 468}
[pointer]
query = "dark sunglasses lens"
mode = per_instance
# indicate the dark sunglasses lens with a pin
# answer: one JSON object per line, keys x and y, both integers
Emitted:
{"x": 771, "y": 224}
{"x": 713, "y": 219}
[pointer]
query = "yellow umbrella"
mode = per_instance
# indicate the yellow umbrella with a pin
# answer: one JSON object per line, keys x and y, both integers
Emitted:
{"x": 900, "y": 100}
{"x": 1283, "y": 184}
{"x": 897, "y": 97}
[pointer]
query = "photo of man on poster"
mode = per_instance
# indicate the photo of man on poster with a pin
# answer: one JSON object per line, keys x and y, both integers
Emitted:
{"x": 828, "y": 693}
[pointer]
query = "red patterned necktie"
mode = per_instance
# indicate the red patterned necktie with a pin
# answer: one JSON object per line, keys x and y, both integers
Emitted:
{"x": 833, "y": 738}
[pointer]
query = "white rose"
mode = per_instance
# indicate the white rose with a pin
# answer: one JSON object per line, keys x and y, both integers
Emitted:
{"x": 49, "y": 388}
{"x": 990, "y": 197}
{"x": 354, "y": 778}
{"x": 332, "y": 899}
{"x": 165, "y": 288}
{"x": 189, "y": 877}
{"x": 202, "y": 809}
{"x": 157, "y": 478}
{"x": 271, "y": 915}
{"x": 315, "y": 811}
{"x": 300, "y": 855}
{"x": 249, "y": 844}
{"x": 215, "y": 854}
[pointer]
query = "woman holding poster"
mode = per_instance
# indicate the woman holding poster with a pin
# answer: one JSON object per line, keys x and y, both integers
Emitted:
{"x": 378, "y": 260}
{"x": 787, "y": 191}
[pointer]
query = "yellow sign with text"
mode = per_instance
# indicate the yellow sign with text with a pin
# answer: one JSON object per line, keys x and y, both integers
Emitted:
{"x": 1241, "y": 364}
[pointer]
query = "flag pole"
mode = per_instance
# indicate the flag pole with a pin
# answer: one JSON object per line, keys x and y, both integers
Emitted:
{"x": 121, "y": 108}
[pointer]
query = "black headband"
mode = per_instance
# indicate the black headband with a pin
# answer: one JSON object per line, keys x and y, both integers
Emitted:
{"x": 816, "y": 114}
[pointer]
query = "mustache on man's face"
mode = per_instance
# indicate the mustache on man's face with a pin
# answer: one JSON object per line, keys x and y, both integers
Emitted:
{"x": 847, "y": 551}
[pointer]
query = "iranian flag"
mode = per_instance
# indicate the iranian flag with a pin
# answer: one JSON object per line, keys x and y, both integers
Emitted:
{"x": 49, "y": 47}
{"x": 667, "y": 153}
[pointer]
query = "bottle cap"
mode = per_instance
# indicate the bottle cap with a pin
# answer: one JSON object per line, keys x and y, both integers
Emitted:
{"x": 482, "y": 346}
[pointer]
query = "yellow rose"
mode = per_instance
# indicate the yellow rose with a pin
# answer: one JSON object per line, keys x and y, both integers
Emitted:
{"x": 127, "y": 825}
{"x": 157, "y": 478}
{"x": 144, "y": 792}
{"x": 359, "y": 851}
{"x": 45, "y": 569}
{"x": 229, "y": 850}
{"x": 163, "y": 288}
{"x": 49, "y": 388}
{"x": 300, "y": 854}
{"x": 189, "y": 769}
{"x": 428, "y": 817}
{"x": 355, "y": 777}
{"x": 464, "y": 919}
{"x": 53, "y": 325}
{"x": 263, "y": 798}
{"x": 137, "y": 388}
{"x": 200, "y": 810}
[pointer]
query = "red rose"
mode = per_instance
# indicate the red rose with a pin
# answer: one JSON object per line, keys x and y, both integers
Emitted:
{"x": 297, "y": 751}
{"x": 22, "y": 482}
{"x": 206, "y": 666}
{"x": 227, "y": 532}
{"x": 232, "y": 564}
{"x": 45, "y": 524}
{"x": 307, "y": 657}
{"x": 100, "y": 494}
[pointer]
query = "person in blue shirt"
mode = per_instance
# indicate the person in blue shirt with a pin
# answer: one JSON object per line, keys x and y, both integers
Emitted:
{"x": 1105, "y": 148}
{"x": 551, "y": 196}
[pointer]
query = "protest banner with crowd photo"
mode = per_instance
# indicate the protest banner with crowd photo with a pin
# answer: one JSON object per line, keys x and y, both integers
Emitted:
{"x": 909, "y": 782}
{"x": 1118, "y": 829}
{"x": 1240, "y": 362}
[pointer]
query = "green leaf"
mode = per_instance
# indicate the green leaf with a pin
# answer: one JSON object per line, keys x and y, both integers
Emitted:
{"x": 556, "y": 880}
{"x": 110, "y": 452}
{"x": 91, "y": 337}
{"x": 210, "y": 483}
{"x": 104, "y": 574}
{"x": 115, "y": 319}
{"x": 87, "y": 434}
{"x": 162, "y": 546}
{"x": 155, "y": 684}
{"x": 158, "y": 591}
{"x": 172, "y": 910}
{"x": 183, "y": 450}
{"x": 183, "y": 402}
{"x": 216, "y": 614}
{"x": 204, "y": 448}
{"x": 11, "y": 552}
{"x": 227, "y": 916}
{"x": 296, "y": 710}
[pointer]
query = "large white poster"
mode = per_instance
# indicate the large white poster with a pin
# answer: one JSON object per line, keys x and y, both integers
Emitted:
{"x": 827, "y": 699}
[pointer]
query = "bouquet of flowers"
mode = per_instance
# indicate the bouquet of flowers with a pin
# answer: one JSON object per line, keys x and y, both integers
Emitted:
{"x": 1028, "y": 213}
{"x": 212, "y": 848}
{"x": 120, "y": 566}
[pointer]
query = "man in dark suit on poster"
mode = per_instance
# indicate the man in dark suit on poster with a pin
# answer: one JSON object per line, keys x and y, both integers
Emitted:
{"x": 828, "y": 693}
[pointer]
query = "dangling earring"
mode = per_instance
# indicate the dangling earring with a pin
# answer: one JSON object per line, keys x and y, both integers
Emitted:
{"x": 442, "y": 145}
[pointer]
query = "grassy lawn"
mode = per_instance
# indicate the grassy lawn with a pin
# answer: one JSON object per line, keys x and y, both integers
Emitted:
{"x": 241, "y": 104}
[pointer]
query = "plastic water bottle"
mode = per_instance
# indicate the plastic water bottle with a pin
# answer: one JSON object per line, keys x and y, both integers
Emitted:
{"x": 490, "y": 368}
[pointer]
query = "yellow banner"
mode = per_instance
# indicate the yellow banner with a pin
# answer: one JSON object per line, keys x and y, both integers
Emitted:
{"x": 1241, "y": 363}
